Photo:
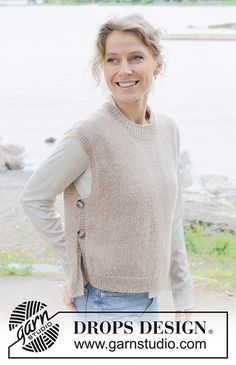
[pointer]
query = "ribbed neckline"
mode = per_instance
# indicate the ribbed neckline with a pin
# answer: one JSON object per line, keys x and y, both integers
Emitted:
{"x": 140, "y": 131}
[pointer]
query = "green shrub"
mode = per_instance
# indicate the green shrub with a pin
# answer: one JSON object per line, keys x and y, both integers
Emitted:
{"x": 223, "y": 246}
{"x": 198, "y": 242}
{"x": 195, "y": 239}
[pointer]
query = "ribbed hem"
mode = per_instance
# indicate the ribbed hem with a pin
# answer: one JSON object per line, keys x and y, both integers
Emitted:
{"x": 127, "y": 284}
{"x": 139, "y": 131}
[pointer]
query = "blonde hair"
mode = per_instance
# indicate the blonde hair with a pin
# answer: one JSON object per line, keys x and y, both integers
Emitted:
{"x": 133, "y": 23}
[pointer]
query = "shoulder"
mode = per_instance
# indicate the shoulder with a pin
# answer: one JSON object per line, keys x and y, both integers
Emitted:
{"x": 167, "y": 121}
{"x": 169, "y": 126}
{"x": 88, "y": 131}
{"x": 89, "y": 125}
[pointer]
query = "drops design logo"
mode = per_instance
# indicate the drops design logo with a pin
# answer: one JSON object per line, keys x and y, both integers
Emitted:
{"x": 34, "y": 327}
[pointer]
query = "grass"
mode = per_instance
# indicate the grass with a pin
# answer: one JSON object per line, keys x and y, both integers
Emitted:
{"x": 13, "y": 256}
{"x": 26, "y": 256}
{"x": 212, "y": 259}
{"x": 24, "y": 271}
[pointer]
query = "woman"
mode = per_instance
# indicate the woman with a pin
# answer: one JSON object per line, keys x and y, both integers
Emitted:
{"x": 119, "y": 171}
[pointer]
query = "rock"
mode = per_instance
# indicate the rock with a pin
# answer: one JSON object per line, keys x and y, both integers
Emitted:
{"x": 210, "y": 209}
{"x": 10, "y": 157}
{"x": 3, "y": 166}
{"x": 46, "y": 268}
{"x": 230, "y": 294}
{"x": 14, "y": 163}
{"x": 50, "y": 140}
{"x": 215, "y": 184}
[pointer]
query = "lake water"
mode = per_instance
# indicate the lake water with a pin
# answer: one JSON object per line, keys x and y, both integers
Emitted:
{"x": 46, "y": 85}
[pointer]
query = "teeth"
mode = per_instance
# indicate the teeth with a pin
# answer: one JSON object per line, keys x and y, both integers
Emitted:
{"x": 127, "y": 84}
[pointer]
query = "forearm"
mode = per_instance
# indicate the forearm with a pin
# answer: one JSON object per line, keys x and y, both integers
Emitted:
{"x": 48, "y": 223}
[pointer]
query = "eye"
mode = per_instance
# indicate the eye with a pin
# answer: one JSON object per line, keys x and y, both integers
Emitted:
{"x": 137, "y": 56}
{"x": 111, "y": 60}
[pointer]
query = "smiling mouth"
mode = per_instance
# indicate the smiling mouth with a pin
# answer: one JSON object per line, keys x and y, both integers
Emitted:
{"x": 126, "y": 85}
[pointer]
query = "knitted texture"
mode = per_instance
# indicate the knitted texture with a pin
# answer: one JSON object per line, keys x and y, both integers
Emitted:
{"x": 119, "y": 238}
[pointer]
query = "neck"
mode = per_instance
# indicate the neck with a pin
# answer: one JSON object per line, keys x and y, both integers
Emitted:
{"x": 136, "y": 111}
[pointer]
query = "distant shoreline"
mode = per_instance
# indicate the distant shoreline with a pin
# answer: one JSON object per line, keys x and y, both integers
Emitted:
{"x": 200, "y": 37}
{"x": 165, "y": 4}
{"x": 172, "y": 37}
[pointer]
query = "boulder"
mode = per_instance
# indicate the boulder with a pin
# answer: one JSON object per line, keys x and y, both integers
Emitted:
{"x": 11, "y": 157}
{"x": 50, "y": 140}
{"x": 215, "y": 184}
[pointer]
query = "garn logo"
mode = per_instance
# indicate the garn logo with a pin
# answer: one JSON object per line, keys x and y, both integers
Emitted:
{"x": 34, "y": 327}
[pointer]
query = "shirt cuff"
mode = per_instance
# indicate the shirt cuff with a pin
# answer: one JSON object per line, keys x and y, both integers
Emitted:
{"x": 184, "y": 299}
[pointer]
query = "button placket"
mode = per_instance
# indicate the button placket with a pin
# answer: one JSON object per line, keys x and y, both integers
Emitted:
{"x": 81, "y": 232}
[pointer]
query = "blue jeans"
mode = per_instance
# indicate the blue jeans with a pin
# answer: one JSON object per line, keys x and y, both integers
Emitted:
{"x": 100, "y": 300}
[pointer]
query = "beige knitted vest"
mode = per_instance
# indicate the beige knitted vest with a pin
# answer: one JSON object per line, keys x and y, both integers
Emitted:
{"x": 119, "y": 238}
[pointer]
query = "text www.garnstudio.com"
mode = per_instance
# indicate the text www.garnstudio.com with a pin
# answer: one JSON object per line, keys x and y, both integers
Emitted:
{"x": 140, "y": 344}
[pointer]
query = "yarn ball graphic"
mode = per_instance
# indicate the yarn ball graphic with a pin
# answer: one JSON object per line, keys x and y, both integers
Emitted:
{"x": 24, "y": 312}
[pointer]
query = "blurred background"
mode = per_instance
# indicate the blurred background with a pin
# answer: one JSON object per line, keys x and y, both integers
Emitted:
{"x": 46, "y": 84}
{"x": 46, "y": 87}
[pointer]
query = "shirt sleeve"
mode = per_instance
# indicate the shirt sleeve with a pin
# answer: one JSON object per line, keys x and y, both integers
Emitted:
{"x": 67, "y": 162}
{"x": 180, "y": 277}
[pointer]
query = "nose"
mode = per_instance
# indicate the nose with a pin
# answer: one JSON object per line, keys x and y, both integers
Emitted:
{"x": 125, "y": 68}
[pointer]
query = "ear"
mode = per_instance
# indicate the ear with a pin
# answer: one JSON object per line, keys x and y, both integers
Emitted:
{"x": 158, "y": 68}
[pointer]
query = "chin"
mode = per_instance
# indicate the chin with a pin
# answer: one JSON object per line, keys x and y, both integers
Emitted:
{"x": 125, "y": 98}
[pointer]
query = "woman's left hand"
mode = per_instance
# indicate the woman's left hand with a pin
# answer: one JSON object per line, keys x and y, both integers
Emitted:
{"x": 67, "y": 300}
{"x": 184, "y": 315}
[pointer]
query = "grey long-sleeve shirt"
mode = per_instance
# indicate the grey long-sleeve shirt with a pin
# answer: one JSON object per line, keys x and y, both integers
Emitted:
{"x": 67, "y": 163}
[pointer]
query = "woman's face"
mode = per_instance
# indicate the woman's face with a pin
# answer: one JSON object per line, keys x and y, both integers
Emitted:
{"x": 128, "y": 67}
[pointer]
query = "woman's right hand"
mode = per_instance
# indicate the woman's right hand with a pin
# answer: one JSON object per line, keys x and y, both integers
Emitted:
{"x": 67, "y": 300}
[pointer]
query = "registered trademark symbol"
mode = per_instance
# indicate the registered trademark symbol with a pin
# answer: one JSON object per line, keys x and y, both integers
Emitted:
{"x": 210, "y": 331}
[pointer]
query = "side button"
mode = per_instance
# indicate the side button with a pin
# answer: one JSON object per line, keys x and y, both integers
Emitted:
{"x": 80, "y": 203}
{"x": 81, "y": 233}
